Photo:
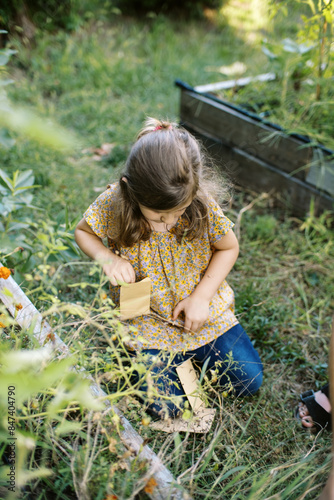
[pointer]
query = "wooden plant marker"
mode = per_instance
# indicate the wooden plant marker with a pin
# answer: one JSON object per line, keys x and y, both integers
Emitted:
{"x": 188, "y": 378}
{"x": 28, "y": 316}
{"x": 202, "y": 418}
{"x": 135, "y": 299}
{"x": 200, "y": 423}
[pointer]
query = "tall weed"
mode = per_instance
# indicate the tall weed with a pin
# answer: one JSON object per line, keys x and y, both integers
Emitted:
{"x": 101, "y": 81}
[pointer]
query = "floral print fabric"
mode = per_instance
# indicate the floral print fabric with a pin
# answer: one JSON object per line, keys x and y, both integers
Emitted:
{"x": 174, "y": 269}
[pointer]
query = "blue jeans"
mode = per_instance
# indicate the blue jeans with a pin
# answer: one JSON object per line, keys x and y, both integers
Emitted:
{"x": 231, "y": 355}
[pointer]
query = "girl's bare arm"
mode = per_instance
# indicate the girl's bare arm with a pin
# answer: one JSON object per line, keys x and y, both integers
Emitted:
{"x": 196, "y": 305}
{"x": 117, "y": 269}
{"x": 221, "y": 263}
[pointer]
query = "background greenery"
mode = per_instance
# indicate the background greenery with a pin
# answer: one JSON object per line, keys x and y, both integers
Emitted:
{"x": 98, "y": 77}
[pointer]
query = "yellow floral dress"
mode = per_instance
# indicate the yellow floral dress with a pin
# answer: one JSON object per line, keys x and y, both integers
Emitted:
{"x": 174, "y": 269}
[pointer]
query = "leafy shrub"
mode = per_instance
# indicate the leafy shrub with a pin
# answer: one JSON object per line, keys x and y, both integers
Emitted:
{"x": 192, "y": 9}
{"x": 21, "y": 225}
{"x": 28, "y": 238}
{"x": 15, "y": 195}
{"x": 24, "y": 374}
{"x": 38, "y": 12}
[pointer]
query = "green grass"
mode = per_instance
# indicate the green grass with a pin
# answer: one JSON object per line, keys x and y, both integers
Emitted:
{"x": 100, "y": 82}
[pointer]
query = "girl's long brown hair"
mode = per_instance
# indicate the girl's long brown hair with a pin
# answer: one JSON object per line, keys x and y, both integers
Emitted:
{"x": 164, "y": 170}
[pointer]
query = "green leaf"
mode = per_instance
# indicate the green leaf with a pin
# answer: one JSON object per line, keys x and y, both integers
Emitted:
{"x": 15, "y": 361}
{"x": 139, "y": 367}
{"x": 39, "y": 129}
{"x": 3, "y": 59}
{"x": 177, "y": 440}
{"x": 17, "y": 225}
{"x": 7, "y": 292}
{"x": 3, "y": 83}
{"x": 232, "y": 471}
{"x": 25, "y": 179}
{"x": 29, "y": 475}
{"x": 186, "y": 415}
{"x": 5, "y": 140}
{"x": 312, "y": 6}
{"x": 6, "y": 180}
{"x": 5, "y": 55}
{"x": 122, "y": 283}
{"x": 294, "y": 47}
{"x": 204, "y": 369}
{"x": 269, "y": 53}
{"x": 328, "y": 16}
{"x": 66, "y": 427}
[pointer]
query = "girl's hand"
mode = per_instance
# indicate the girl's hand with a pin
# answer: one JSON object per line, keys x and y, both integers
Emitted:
{"x": 119, "y": 270}
{"x": 116, "y": 268}
{"x": 196, "y": 311}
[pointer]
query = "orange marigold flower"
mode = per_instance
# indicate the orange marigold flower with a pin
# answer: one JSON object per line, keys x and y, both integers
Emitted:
{"x": 4, "y": 272}
{"x": 2, "y": 325}
{"x": 150, "y": 485}
{"x": 18, "y": 307}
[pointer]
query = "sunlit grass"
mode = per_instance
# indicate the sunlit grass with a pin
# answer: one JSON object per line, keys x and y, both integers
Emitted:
{"x": 248, "y": 18}
{"x": 101, "y": 81}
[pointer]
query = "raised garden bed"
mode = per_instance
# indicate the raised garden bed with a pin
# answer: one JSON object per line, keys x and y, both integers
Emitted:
{"x": 260, "y": 155}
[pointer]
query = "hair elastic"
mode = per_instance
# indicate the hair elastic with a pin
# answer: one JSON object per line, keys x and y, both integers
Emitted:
{"x": 160, "y": 127}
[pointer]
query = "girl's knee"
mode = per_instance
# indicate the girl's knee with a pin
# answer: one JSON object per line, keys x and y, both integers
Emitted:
{"x": 250, "y": 383}
{"x": 246, "y": 380}
{"x": 255, "y": 383}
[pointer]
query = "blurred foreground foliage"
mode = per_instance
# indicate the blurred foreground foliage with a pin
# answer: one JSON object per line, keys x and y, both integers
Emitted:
{"x": 101, "y": 81}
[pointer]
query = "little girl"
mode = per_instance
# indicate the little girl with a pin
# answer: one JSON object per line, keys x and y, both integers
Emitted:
{"x": 161, "y": 222}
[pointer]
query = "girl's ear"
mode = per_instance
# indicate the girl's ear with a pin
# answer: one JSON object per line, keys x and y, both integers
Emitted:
{"x": 124, "y": 179}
